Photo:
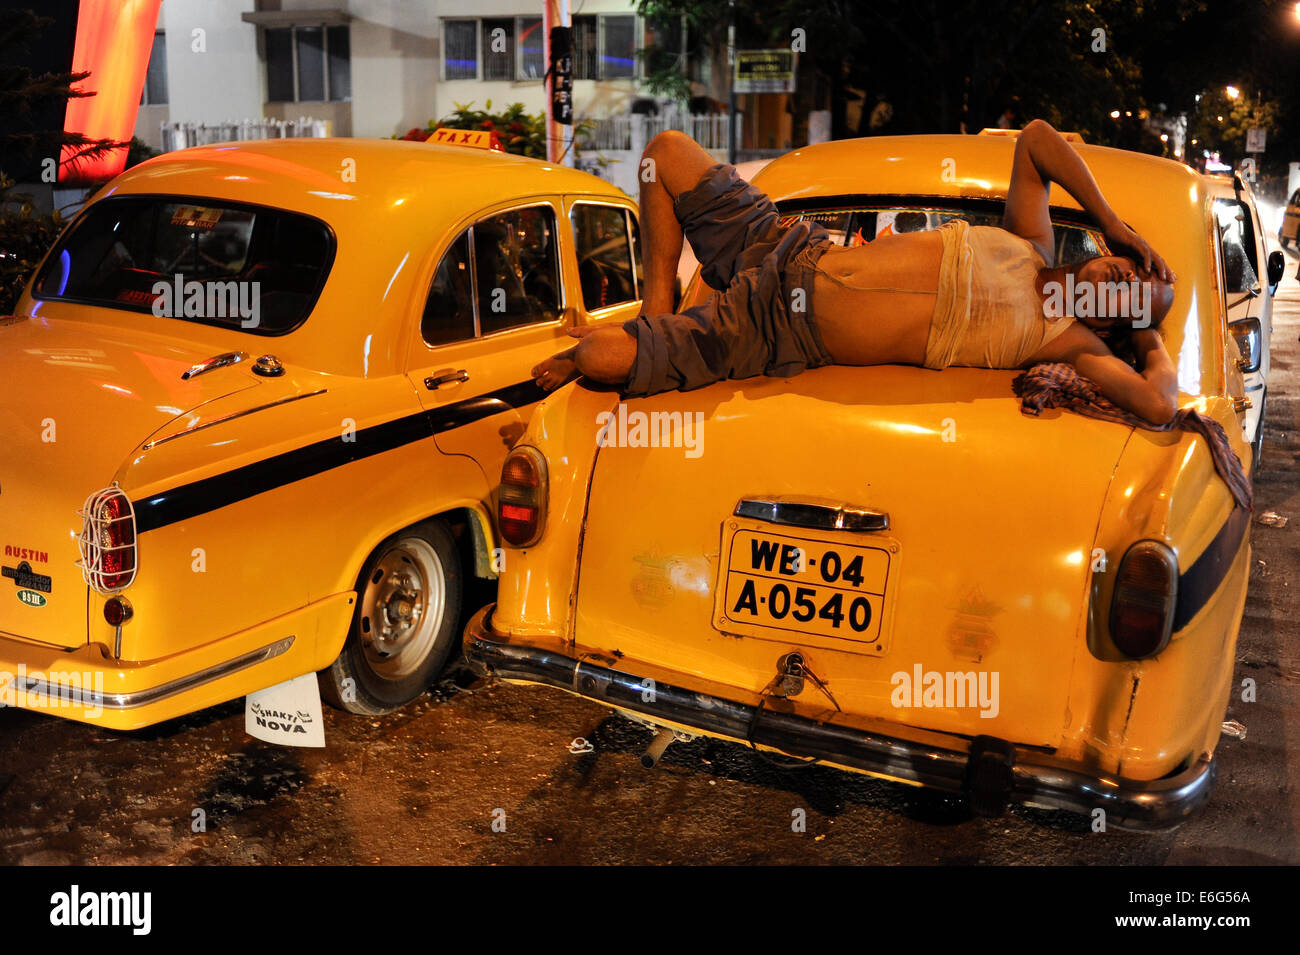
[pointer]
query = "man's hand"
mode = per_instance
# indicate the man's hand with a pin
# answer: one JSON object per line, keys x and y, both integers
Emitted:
{"x": 1120, "y": 235}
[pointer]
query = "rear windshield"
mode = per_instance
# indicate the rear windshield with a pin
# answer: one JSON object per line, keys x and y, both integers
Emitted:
{"x": 852, "y": 224}
{"x": 246, "y": 267}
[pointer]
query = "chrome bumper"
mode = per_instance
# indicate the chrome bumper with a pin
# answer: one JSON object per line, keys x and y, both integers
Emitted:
{"x": 992, "y": 772}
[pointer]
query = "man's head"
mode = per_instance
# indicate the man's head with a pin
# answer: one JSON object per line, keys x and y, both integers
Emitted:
{"x": 1116, "y": 307}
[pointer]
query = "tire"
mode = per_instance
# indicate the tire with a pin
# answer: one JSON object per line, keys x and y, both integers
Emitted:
{"x": 1283, "y": 241}
{"x": 404, "y": 627}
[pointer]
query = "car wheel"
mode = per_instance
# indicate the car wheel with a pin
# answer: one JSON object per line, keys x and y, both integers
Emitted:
{"x": 1257, "y": 445}
{"x": 1283, "y": 241}
{"x": 404, "y": 626}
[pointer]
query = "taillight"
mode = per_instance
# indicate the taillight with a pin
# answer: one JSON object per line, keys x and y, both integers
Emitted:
{"x": 107, "y": 542}
{"x": 521, "y": 499}
{"x": 1142, "y": 606}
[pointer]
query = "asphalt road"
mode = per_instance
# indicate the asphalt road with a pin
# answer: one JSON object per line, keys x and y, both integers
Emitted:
{"x": 426, "y": 785}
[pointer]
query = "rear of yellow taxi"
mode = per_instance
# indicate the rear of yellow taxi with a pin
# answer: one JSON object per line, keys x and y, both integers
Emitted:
{"x": 959, "y": 636}
{"x": 254, "y": 499}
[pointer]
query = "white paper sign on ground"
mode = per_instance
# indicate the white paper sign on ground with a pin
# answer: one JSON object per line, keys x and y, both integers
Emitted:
{"x": 288, "y": 714}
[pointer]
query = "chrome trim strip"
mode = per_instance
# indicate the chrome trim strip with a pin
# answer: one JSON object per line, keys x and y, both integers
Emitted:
{"x": 213, "y": 363}
{"x": 1129, "y": 803}
{"x": 230, "y": 417}
{"x": 812, "y": 514}
{"x": 128, "y": 701}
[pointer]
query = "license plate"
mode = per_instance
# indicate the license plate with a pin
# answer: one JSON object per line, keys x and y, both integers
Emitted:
{"x": 777, "y": 584}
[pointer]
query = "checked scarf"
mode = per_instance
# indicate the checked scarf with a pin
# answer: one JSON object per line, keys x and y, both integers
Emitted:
{"x": 1059, "y": 385}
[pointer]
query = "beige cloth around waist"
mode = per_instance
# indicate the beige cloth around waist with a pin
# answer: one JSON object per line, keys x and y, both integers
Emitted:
{"x": 987, "y": 312}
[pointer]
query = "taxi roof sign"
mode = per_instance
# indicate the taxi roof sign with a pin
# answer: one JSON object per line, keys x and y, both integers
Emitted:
{"x": 473, "y": 138}
{"x": 1013, "y": 133}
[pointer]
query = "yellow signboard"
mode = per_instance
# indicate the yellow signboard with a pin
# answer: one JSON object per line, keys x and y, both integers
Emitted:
{"x": 764, "y": 71}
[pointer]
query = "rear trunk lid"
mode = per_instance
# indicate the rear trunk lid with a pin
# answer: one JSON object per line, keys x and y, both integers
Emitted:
{"x": 78, "y": 398}
{"x": 979, "y": 582}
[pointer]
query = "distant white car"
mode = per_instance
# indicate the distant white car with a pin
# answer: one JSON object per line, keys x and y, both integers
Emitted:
{"x": 1251, "y": 274}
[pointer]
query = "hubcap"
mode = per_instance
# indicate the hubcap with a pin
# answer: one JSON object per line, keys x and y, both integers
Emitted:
{"x": 402, "y": 608}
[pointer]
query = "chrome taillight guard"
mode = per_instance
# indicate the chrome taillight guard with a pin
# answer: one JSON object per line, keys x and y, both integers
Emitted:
{"x": 96, "y": 541}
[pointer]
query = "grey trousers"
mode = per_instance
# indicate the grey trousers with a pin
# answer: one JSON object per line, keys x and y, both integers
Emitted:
{"x": 760, "y": 321}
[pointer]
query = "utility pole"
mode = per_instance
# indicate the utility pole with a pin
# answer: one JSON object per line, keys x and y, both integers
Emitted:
{"x": 559, "y": 69}
{"x": 731, "y": 84}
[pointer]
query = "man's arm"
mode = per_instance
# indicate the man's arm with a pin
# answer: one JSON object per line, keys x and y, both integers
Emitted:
{"x": 1152, "y": 394}
{"x": 1044, "y": 157}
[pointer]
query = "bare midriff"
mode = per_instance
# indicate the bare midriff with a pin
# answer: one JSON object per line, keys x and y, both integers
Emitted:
{"x": 873, "y": 303}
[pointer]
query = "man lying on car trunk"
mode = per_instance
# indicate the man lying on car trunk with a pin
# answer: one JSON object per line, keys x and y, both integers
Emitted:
{"x": 790, "y": 299}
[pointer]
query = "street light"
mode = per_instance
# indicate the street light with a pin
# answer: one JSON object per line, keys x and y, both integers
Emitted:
{"x": 1114, "y": 114}
{"x": 1232, "y": 92}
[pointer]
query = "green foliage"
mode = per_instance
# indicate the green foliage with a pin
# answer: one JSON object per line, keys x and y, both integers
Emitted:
{"x": 25, "y": 98}
{"x": 138, "y": 152}
{"x": 1250, "y": 110}
{"x": 947, "y": 65}
{"x": 25, "y": 236}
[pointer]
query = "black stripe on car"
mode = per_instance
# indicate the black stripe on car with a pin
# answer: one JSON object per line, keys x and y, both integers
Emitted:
{"x": 1201, "y": 580}
{"x": 221, "y": 490}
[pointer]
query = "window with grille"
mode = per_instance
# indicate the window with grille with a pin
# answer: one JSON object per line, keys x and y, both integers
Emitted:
{"x": 308, "y": 64}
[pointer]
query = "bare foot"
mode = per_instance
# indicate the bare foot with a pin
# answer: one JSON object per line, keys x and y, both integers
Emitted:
{"x": 556, "y": 370}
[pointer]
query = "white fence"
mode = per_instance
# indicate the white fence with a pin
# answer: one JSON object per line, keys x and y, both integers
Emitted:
{"x": 182, "y": 135}
{"x": 612, "y": 147}
{"x": 633, "y": 131}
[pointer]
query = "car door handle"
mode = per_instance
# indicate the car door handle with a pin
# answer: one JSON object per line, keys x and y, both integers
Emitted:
{"x": 213, "y": 363}
{"x": 437, "y": 381}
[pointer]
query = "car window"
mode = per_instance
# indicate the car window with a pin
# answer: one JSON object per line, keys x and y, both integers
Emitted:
{"x": 516, "y": 268}
{"x": 1236, "y": 238}
{"x": 857, "y": 225}
{"x": 502, "y": 272}
{"x": 255, "y": 269}
{"x": 606, "y": 266}
{"x": 449, "y": 310}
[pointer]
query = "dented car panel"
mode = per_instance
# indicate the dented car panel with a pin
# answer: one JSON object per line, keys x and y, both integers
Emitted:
{"x": 981, "y": 657}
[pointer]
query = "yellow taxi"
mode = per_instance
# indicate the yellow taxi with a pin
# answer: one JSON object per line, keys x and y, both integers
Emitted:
{"x": 894, "y": 570}
{"x": 256, "y": 400}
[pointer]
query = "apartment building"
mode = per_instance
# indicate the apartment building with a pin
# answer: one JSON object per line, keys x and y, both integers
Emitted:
{"x": 378, "y": 67}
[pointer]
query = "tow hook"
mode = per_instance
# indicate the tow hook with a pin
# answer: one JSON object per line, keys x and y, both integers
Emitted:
{"x": 989, "y": 775}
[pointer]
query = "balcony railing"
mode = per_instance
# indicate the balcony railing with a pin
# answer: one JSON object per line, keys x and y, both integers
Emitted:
{"x": 183, "y": 135}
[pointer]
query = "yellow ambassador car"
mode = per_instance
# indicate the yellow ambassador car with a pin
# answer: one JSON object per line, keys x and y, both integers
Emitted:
{"x": 892, "y": 569}
{"x": 256, "y": 400}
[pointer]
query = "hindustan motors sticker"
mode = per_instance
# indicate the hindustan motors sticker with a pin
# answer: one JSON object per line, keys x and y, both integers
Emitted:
{"x": 31, "y": 598}
{"x": 288, "y": 713}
